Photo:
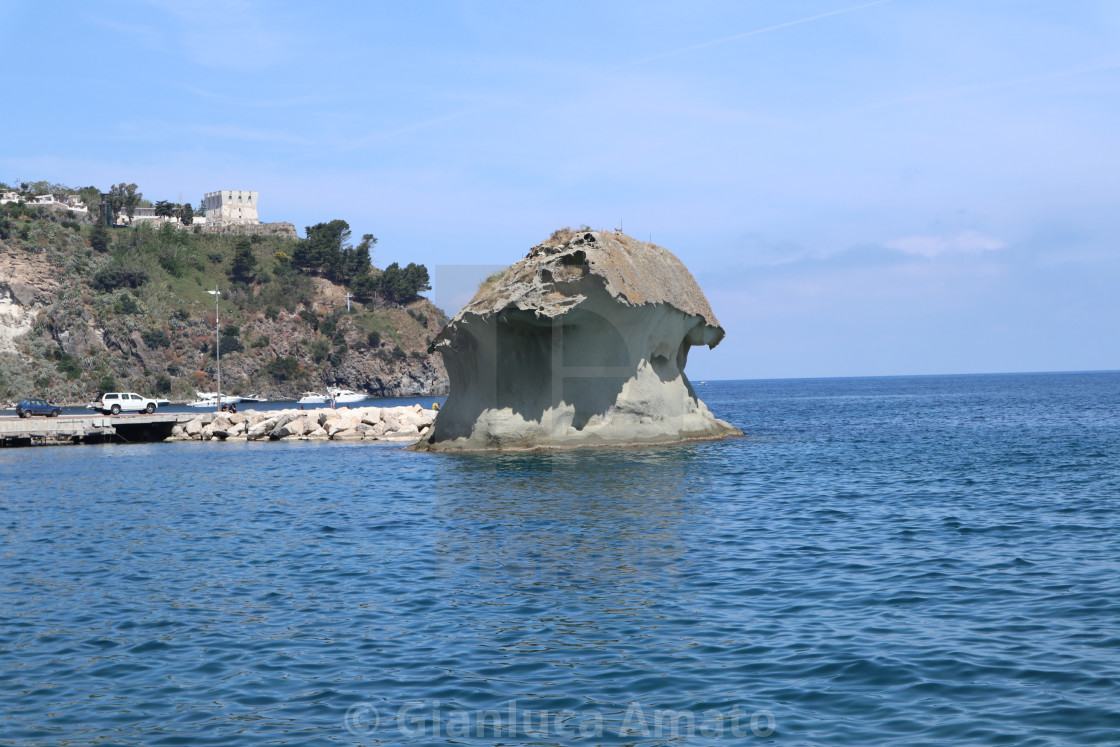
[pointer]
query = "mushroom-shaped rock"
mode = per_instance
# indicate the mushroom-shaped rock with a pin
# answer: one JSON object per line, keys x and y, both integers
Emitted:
{"x": 582, "y": 343}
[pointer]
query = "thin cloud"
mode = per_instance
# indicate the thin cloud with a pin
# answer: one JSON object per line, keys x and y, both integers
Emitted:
{"x": 376, "y": 137}
{"x": 277, "y": 103}
{"x": 746, "y": 34}
{"x": 979, "y": 88}
{"x": 965, "y": 242}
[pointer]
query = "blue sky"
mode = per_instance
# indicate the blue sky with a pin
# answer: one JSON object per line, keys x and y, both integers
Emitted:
{"x": 877, "y": 188}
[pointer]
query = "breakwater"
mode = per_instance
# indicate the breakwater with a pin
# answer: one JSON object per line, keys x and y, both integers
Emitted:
{"x": 404, "y": 423}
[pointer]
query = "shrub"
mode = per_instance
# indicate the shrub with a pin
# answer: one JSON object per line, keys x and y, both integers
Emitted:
{"x": 107, "y": 383}
{"x": 338, "y": 355}
{"x": 99, "y": 238}
{"x": 319, "y": 348}
{"x": 162, "y": 384}
{"x": 126, "y": 304}
{"x": 310, "y": 317}
{"x": 229, "y": 345}
{"x": 156, "y": 338}
{"x": 283, "y": 369}
{"x": 170, "y": 262}
{"x": 116, "y": 276}
{"x": 374, "y": 339}
{"x": 69, "y": 365}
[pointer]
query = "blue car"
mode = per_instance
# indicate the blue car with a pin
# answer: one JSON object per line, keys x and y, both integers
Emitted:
{"x": 29, "y": 407}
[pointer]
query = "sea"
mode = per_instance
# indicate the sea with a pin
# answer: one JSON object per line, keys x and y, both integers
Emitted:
{"x": 879, "y": 561}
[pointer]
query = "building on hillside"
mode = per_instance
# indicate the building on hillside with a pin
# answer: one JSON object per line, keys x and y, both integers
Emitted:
{"x": 231, "y": 207}
{"x": 73, "y": 203}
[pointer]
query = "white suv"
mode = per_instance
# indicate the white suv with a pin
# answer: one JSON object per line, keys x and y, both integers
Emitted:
{"x": 117, "y": 402}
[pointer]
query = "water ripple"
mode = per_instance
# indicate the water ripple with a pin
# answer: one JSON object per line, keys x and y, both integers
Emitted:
{"x": 882, "y": 561}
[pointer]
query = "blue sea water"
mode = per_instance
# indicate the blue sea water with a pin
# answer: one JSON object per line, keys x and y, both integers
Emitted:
{"x": 895, "y": 561}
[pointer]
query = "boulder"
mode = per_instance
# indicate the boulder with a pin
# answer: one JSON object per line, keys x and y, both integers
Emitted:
{"x": 584, "y": 342}
{"x": 280, "y": 426}
{"x": 261, "y": 429}
{"x": 296, "y": 426}
{"x": 254, "y": 417}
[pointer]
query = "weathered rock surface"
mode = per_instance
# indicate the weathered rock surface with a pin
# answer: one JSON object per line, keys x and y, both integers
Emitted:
{"x": 582, "y": 343}
{"x": 347, "y": 424}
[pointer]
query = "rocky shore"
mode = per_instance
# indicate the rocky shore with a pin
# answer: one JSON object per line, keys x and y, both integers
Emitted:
{"x": 401, "y": 424}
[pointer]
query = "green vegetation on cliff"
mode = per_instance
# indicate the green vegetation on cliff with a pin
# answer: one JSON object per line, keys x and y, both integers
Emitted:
{"x": 90, "y": 308}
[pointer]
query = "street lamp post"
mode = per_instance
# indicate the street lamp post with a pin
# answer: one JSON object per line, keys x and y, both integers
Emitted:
{"x": 217, "y": 346}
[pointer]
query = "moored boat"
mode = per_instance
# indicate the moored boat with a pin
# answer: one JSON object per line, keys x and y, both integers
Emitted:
{"x": 346, "y": 395}
{"x": 314, "y": 398}
{"x": 213, "y": 401}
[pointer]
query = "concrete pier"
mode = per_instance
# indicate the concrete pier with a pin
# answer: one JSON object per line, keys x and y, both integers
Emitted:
{"x": 75, "y": 429}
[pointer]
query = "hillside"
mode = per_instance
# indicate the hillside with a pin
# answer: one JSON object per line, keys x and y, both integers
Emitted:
{"x": 86, "y": 309}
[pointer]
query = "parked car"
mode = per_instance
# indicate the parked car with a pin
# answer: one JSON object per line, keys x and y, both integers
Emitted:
{"x": 115, "y": 403}
{"x": 28, "y": 407}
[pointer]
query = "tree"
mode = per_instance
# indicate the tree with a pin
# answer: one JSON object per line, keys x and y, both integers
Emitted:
{"x": 399, "y": 285}
{"x": 416, "y": 280}
{"x": 244, "y": 265}
{"x": 91, "y": 197}
{"x": 187, "y": 215}
{"x": 131, "y": 201}
{"x": 99, "y": 238}
{"x": 365, "y": 287}
{"x": 124, "y": 198}
{"x": 165, "y": 209}
{"x": 356, "y": 261}
{"x": 322, "y": 250}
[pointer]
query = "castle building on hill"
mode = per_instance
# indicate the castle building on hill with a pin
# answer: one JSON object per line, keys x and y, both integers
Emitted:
{"x": 231, "y": 207}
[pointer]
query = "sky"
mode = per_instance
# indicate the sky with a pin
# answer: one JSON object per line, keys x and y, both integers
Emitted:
{"x": 860, "y": 188}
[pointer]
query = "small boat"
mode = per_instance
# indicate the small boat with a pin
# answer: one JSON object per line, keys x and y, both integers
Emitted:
{"x": 314, "y": 398}
{"x": 253, "y": 398}
{"x": 346, "y": 395}
{"x": 213, "y": 401}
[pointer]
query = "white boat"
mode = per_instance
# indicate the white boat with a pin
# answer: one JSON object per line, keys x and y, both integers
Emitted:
{"x": 346, "y": 395}
{"x": 253, "y": 398}
{"x": 314, "y": 398}
{"x": 213, "y": 401}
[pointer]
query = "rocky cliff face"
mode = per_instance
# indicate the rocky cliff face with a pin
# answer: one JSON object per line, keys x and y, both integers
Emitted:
{"x": 583, "y": 342}
{"x": 64, "y": 339}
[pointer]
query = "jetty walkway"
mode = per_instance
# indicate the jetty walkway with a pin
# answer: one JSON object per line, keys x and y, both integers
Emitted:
{"x": 78, "y": 429}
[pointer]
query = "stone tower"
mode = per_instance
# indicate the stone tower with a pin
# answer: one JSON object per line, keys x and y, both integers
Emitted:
{"x": 231, "y": 207}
